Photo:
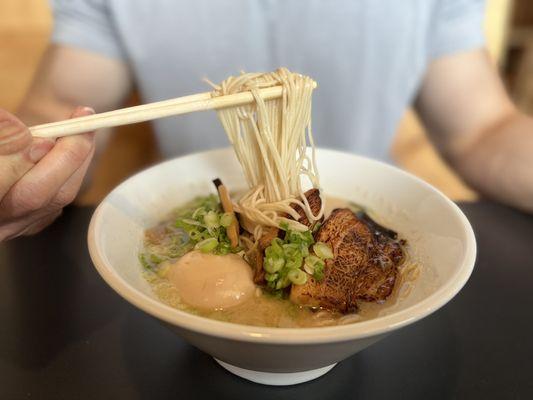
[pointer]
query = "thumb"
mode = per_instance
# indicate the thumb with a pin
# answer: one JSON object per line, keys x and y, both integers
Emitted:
{"x": 18, "y": 152}
{"x": 82, "y": 111}
{"x": 14, "y": 135}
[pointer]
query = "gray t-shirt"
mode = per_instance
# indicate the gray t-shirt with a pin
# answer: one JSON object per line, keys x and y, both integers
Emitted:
{"x": 368, "y": 56}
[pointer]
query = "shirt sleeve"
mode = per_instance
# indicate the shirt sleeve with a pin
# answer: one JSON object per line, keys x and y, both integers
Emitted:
{"x": 86, "y": 24}
{"x": 457, "y": 26}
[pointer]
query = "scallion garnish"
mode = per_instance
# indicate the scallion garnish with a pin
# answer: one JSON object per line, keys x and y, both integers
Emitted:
{"x": 323, "y": 250}
{"x": 207, "y": 245}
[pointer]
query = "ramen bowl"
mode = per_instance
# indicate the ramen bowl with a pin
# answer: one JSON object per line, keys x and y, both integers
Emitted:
{"x": 439, "y": 235}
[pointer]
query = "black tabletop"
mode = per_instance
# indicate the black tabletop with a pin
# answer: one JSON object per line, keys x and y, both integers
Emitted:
{"x": 64, "y": 334}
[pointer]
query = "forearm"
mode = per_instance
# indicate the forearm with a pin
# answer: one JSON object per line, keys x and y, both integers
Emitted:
{"x": 499, "y": 162}
{"x": 38, "y": 109}
{"x": 473, "y": 122}
{"x": 58, "y": 89}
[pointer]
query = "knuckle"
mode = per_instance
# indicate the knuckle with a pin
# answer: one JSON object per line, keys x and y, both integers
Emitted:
{"x": 63, "y": 198}
{"x": 5, "y": 234}
{"x": 14, "y": 137}
{"x": 41, "y": 224}
{"x": 4, "y": 114}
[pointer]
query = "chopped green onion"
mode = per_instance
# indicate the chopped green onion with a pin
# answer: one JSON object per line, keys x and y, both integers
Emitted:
{"x": 155, "y": 258}
{"x": 318, "y": 273}
{"x": 226, "y": 219}
{"x": 211, "y": 220}
{"x": 276, "y": 245}
{"x": 181, "y": 250}
{"x": 223, "y": 249}
{"x": 207, "y": 245}
{"x": 197, "y": 224}
{"x": 199, "y": 212}
{"x": 183, "y": 225}
{"x": 290, "y": 249}
{"x": 144, "y": 262}
{"x": 314, "y": 266}
{"x": 291, "y": 253}
{"x": 273, "y": 265}
{"x": 312, "y": 261}
{"x": 206, "y": 234}
{"x": 304, "y": 250}
{"x": 297, "y": 276}
{"x": 309, "y": 269}
{"x": 271, "y": 277}
{"x": 323, "y": 251}
{"x": 275, "y": 249}
{"x": 318, "y": 276}
{"x": 294, "y": 262}
{"x": 191, "y": 221}
{"x": 295, "y": 237}
{"x": 283, "y": 282}
{"x": 195, "y": 235}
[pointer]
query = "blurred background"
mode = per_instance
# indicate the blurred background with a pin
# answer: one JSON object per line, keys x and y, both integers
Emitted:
{"x": 25, "y": 26}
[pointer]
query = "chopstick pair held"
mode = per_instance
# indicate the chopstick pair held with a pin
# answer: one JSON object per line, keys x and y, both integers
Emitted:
{"x": 146, "y": 112}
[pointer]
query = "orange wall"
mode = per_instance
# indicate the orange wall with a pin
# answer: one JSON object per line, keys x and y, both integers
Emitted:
{"x": 24, "y": 30}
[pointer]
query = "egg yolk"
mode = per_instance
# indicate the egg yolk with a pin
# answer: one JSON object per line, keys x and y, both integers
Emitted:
{"x": 212, "y": 282}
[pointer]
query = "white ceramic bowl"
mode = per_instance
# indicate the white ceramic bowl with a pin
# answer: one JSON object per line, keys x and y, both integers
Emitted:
{"x": 433, "y": 225}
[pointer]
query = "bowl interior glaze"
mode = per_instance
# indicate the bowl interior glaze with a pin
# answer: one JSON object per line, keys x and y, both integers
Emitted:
{"x": 439, "y": 234}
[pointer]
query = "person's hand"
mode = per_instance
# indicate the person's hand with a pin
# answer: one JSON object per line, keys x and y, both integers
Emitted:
{"x": 38, "y": 177}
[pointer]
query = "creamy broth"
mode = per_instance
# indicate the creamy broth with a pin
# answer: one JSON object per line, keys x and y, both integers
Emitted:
{"x": 263, "y": 309}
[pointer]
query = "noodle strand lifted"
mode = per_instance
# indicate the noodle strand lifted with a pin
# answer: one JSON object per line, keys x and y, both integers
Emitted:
{"x": 270, "y": 139}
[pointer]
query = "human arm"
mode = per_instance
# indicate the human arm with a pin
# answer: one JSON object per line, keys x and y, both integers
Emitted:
{"x": 39, "y": 177}
{"x": 479, "y": 131}
{"x": 69, "y": 76}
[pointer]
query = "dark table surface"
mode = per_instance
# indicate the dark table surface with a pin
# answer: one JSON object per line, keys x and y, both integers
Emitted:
{"x": 64, "y": 334}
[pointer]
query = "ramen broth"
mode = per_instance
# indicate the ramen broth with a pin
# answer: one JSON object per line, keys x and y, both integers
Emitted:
{"x": 264, "y": 309}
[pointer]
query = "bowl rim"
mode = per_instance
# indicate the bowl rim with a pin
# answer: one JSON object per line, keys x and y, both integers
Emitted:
{"x": 288, "y": 336}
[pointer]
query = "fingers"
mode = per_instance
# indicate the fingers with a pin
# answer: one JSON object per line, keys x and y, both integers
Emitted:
{"x": 14, "y": 136}
{"x": 40, "y": 224}
{"x": 38, "y": 220}
{"x": 41, "y": 184}
{"x": 38, "y": 177}
{"x": 18, "y": 153}
{"x": 70, "y": 189}
{"x": 27, "y": 225}
{"x": 81, "y": 111}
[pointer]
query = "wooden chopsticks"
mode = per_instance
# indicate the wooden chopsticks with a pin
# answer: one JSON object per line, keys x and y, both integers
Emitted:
{"x": 146, "y": 112}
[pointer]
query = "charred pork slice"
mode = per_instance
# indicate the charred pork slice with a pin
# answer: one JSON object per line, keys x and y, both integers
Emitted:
{"x": 364, "y": 267}
{"x": 255, "y": 257}
{"x": 315, "y": 204}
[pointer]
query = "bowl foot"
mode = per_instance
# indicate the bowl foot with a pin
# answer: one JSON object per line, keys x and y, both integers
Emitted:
{"x": 276, "y": 378}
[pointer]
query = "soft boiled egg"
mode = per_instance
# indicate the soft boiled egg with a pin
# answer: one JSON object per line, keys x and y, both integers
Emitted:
{"x": 211, "y": 282}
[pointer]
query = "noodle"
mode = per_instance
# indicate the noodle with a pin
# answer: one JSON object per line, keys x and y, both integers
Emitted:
{"x": 270, "y": 139}
{"x": 409, "y": 273}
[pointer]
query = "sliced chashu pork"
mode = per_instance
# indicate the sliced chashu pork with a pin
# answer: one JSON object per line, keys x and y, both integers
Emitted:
{"x": 315, "y": 204}
{"x": 364, "y": 267}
